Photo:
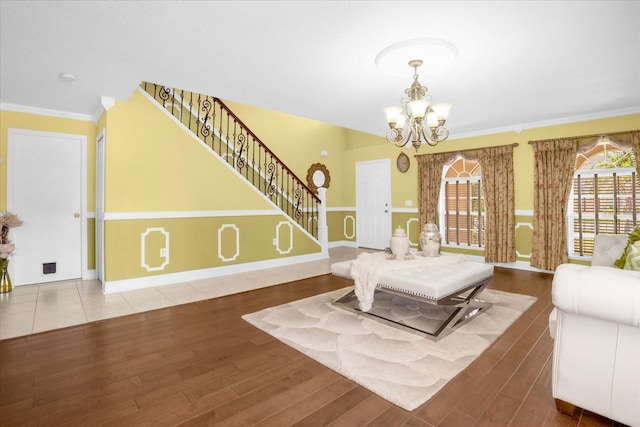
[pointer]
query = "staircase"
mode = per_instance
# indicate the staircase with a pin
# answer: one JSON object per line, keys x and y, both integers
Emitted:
{"x": 223, "y": 132}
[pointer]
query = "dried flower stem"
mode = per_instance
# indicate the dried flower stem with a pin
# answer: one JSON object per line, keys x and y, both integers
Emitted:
{"x": 4, "y": 235}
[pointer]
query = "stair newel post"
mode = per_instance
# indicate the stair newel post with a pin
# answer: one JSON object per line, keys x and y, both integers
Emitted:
{"x": 323, "y": 229}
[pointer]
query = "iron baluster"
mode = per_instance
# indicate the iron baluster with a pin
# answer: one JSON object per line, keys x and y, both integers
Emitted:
{"x": 253, "y": 161}
{"x": 271, "y": 187}
{"x": 241, "y": 160}
{"x": 298, "y": 211}
{"x": 213, "y": 125}
{"x": 205, "y": 129}
{"x": 163, "y": 94}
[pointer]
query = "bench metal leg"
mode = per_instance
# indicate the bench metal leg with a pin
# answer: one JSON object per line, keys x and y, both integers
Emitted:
{"x": 433, "y": 319}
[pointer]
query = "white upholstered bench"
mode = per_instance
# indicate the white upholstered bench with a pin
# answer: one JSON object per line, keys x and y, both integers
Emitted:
{"x": 441, "y": 297}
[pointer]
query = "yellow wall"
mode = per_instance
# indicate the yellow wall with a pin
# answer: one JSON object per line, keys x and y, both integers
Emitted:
{"x": 342, "y": 225}
{"x": 361, "y": 147}
{"x": 153, "y": 166}
{"x": 404, "y": 186}
{"x": 298, "y": 142}
{"x": 198, "y": 243}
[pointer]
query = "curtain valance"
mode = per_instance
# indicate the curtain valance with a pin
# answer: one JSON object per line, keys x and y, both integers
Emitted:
{"x": 470, "y": 154}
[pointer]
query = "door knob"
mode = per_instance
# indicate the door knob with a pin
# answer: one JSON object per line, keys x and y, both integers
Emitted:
{"x": 76, "y": 215}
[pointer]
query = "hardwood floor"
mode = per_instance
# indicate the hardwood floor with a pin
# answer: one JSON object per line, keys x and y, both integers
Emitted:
{"x": 201, "y": 364}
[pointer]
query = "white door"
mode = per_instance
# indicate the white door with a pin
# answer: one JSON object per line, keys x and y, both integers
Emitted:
{"x": 373, "y": 204}
{"x": 44, "y": 177}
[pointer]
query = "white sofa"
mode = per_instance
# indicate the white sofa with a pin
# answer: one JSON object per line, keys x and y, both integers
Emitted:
{"x": 596, "y": 328}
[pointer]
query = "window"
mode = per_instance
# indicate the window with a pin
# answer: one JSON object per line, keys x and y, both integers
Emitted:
{"x": 462, "y": 211}
{"x": 604, "y": 196}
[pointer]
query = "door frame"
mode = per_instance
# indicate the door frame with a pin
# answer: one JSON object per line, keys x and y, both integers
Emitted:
{"x": 82, "y": 140}
{"x": 99, "y": 229}
{"x": 383, "y": 165}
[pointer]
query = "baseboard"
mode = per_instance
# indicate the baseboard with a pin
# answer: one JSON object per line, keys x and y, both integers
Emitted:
{"x": 339, "y": 243}
{"x": 185, "y": 276}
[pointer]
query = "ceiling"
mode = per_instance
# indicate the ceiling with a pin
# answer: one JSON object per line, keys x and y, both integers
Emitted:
{"x": 519, "y": 63}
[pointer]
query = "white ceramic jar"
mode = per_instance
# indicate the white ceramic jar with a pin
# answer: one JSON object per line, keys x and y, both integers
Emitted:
{"x": 399, "y": 244}
{"x": 430, "y": 240}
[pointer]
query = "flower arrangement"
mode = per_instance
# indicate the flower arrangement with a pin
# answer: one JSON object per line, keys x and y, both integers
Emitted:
{"x": 8, "y": 221}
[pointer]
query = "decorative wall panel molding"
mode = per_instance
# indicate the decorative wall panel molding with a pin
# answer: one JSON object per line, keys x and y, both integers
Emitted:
{"x": 345, "y": 226}
{"x": 236, "y": 232}
{"x": 408, "y": 227}
{"x": 518, "y": 225}
{"x": 164, "y": 252}
{"x": 279, "y": 234}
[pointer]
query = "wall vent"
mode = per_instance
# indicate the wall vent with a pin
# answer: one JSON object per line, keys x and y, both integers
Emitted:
{"x": 48, "y": 268}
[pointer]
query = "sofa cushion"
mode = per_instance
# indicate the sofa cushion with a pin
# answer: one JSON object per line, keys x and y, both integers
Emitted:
{"x": 634, "y": 236}
{"x": 633, "y": 257}
{"x": 607, "y": 248}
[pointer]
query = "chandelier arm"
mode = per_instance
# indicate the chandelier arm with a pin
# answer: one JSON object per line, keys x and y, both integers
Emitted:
{"x": 406, "y": 136}
{"x": 428, "y": 139}
{"x": 397, "y": 138}
{"x": 440, "y": 133}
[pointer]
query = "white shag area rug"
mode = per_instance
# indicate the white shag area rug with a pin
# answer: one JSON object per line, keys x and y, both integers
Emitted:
{"x": 401, "y": 367}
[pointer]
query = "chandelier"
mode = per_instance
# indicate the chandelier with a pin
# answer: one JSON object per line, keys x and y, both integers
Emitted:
{"x": 407, "y": 123}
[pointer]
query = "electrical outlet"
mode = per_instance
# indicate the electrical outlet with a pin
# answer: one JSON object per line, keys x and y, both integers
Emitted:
{"x": 163, "y": 252}
{"x": 275, "y": 242}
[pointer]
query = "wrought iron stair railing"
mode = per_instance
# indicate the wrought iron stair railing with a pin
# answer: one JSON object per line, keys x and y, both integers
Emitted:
{"x": 221, "y": 130}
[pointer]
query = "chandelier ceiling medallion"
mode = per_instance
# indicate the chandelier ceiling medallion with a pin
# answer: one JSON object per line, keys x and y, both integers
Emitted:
{"x": 417, "y": 119}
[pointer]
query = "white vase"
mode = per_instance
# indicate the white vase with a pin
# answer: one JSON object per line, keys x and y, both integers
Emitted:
{"x": 430, "y": 240}
{"x": 399, "y": 244}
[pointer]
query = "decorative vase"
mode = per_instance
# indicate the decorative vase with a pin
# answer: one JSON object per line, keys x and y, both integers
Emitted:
{"x": 399, "y": 244}
{"x": 430, "y": 240}
{"x": 5, "y": 280}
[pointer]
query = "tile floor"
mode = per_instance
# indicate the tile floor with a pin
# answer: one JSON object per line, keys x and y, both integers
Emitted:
{"x": 36, "y": 308}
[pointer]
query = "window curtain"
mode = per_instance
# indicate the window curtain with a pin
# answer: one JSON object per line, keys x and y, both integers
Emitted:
{"x": 429, "y": 180}
{"x": 635, "y": 144}
{"x": 497, "y": 176}
{"x": 554, "y": 165}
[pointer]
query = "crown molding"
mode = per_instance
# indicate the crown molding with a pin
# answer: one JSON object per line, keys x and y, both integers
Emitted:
{"x": 105, "y": 105}
{"x": 554, "y": 122}
{"x": 45, "y": 112}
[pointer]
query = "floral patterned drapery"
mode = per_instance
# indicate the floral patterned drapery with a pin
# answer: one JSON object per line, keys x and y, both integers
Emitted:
{"x": 496, "y": 164}
{"x": 554, "y": 165}
{"x": 635, "y": 145}
{"x": 497, "y": 177}
{"x": 429, "y": 179}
